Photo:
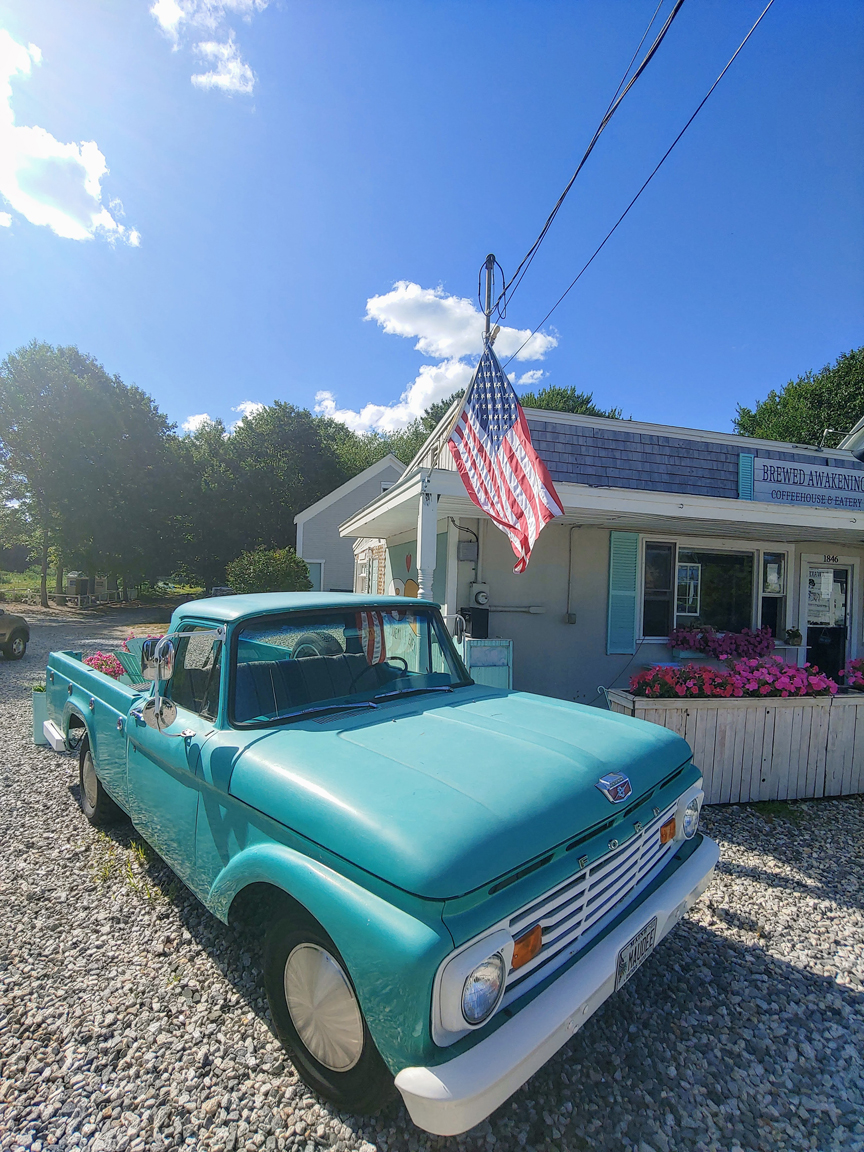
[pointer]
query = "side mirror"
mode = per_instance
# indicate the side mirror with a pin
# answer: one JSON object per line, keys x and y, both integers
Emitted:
{"x": 157, "y": 659}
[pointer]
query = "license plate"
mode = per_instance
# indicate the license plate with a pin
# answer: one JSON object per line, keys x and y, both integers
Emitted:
{"x": 634, "y": 952}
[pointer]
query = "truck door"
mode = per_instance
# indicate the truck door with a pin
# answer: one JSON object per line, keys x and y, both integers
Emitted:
{"x": 163, "y": 767}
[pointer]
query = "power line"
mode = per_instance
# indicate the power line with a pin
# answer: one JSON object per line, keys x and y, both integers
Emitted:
{"x": 663, "y": 159}
{"x": 526, "y": 261}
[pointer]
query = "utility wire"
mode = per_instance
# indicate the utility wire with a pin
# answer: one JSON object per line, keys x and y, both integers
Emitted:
{"x": 663, "y": 159}
{"x": 511, "y": 286}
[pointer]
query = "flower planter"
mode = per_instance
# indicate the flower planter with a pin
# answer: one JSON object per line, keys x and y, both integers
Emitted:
{"x": 40, "y": 715}
{"x": 774, "y": 748}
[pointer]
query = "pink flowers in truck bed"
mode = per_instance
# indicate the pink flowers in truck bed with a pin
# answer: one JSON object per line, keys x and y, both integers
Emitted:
{"x": 744, "y": 678}
{"x": 105, "y": 662}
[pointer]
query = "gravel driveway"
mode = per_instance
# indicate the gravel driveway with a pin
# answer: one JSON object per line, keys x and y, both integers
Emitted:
{"x": 130, "y": 1018}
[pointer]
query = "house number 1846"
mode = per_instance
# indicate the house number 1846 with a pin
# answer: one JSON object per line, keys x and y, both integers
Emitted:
{"x": 830, "y": 559}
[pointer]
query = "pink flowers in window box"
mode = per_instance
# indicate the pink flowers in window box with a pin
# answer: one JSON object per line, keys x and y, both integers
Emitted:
{"x": 854, "y": 673}
{"x": 105, "y": 662}
{"x": 723, "y": 645}
{"x": 745, "y": 678}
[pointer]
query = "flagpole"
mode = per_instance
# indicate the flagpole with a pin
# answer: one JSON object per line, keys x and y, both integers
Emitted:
{"x": 490, "y": 276}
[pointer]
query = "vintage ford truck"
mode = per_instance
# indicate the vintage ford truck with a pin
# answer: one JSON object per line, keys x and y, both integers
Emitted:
{"x": 454, "y": 877}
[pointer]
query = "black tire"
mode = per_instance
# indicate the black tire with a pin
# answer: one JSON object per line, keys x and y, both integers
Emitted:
{"x": 315, "y": 644}
{"x": 16, "y": 646}
{"x": 368, "y": 1084}
{"x": 96, "y": 804}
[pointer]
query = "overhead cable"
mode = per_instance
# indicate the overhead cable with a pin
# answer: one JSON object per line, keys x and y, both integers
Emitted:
{"x": 663, "y": 159}
{"x": 514, "y": 281}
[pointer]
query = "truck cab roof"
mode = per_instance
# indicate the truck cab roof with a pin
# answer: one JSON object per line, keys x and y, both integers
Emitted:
{"x": 229, "y": 608}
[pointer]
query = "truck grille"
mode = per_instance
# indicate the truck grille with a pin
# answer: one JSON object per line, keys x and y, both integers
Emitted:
{"x": 574, "y": 911}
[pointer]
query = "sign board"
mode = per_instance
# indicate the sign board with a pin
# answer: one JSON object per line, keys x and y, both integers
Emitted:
{"x": 777, "y": 482}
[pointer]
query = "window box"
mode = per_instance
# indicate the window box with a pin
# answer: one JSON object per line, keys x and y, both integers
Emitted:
{"x": 775, "y": 748}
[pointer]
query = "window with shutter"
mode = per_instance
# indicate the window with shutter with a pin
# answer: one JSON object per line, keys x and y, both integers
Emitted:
{"x": 623, "y": 570}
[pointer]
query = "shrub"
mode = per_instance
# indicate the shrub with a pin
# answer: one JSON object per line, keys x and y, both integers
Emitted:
{"x": 107, "y": 663}
{"x": 268, "y": 570}
{"x": 723, "y": 645}
{"x": 745, "y": 678}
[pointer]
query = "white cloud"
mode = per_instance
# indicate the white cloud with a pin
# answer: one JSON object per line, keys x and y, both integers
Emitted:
{"x": 246, "y": 408}
{"x": 533, "y": 376}
{"x": 434, "y": 382}
{"x": 195, "y": 423}
{"x": 5, "y": 220}
{"x": 52, "y": 184}
{"x": 229, "y": 71}
{"x": 448, "y": 328}
{"x": 249, "y": 408}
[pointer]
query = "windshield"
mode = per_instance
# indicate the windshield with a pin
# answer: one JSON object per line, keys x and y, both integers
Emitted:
{"x": 314, "y": 661}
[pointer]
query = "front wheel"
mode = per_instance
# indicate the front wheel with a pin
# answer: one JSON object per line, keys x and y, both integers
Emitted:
{"x": 16, "y": 647}
{"x": 317, "y": 1017}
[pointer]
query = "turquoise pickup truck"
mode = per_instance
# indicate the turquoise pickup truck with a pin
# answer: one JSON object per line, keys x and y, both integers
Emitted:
{"x": 453, "y": 877}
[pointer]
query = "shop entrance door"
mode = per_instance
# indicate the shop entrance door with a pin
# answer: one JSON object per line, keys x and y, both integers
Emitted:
{"x": 827, "y": 618}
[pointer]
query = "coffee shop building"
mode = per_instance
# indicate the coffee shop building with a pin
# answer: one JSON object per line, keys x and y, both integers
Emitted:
{"x": 664, "y": 528}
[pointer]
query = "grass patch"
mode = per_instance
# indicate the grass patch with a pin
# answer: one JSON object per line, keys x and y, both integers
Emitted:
{"x": 771, "y": 810}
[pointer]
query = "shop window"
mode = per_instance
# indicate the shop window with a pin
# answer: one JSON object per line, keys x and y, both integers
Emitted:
{"x": 657, "y": 603}
{"x": 725, "y": 588}
{"x": 773, "y": 593}
{"x": 688, "y": 587}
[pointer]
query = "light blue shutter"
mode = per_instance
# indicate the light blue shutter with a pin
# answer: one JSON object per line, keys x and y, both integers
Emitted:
{"x": 745, "y": 475}
{"x": 623, "y": 571}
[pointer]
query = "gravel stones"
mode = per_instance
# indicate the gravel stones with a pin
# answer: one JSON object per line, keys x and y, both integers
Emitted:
{"x": 131, "y": 1019}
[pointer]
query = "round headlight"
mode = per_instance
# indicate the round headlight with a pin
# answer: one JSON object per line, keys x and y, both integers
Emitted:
{"x": 690, "y": 822}
{"x": 483, "y": 989}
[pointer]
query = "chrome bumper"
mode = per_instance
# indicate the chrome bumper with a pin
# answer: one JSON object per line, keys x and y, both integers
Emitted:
{"x": 452, "y": 1097}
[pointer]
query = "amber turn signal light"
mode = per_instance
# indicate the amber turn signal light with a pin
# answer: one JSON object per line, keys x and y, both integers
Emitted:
{"x": 667, "y": 831}
{"x": 527, "y": 947}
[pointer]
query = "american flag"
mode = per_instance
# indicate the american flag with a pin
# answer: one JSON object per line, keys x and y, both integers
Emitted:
{"x": 502, "y": 473}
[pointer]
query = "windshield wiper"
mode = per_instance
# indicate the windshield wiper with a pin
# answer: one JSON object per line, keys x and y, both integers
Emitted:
{"x": 320, "y": 709}
{"x": 412, "y": 692}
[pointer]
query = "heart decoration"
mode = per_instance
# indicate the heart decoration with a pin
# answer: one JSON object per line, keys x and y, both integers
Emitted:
{"x": 408, "y": 560}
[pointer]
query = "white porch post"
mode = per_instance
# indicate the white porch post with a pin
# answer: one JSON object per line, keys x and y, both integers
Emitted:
{"x": 427, "y": 532}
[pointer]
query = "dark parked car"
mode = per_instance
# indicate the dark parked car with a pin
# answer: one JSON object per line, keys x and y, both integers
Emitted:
{"x": 14, "y": 635}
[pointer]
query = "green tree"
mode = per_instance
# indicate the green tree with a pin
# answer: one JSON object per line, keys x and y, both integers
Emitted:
{"x": 76, "y": 452}
{"x": 268, "y": 570}
{"x": 567, "y": 400}
{"x": 829, "y": 401}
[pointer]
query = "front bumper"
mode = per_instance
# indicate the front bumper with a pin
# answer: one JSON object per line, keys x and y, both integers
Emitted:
{"x": 452, "y": 1097}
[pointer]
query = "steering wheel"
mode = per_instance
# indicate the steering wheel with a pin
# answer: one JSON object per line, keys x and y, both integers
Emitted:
{"x": 369, "y": 668}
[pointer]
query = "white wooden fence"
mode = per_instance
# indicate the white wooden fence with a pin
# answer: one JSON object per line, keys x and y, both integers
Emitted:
{"x": 771, "y": 749}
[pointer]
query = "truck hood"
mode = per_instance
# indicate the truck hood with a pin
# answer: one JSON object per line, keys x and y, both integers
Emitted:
{"x": 441, "y": 794}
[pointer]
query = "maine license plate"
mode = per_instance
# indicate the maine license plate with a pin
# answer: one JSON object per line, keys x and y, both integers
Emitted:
{"x": 634, "y": 952}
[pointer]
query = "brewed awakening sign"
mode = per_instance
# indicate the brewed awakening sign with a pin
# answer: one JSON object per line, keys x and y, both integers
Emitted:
{"x": 818, "y": 487}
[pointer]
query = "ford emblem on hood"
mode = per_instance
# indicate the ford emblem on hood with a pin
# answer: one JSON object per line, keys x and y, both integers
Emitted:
{"x": 615, "y": 787}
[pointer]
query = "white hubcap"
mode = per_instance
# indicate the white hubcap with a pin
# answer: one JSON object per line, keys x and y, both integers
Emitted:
{"x": 323, "y": 1007}
{"x": 91, "y": 784}
{"x": 17, "y": 646}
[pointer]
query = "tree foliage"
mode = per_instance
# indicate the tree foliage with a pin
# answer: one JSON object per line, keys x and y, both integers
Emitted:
{"x": 831, "y": 400}
{"x": 567, "y": 400}
{"x": 268, "y": 570}
{"x": 83, "y": 459}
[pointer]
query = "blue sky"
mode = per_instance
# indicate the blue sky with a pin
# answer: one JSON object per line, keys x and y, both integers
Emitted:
{"x": 298, "y": 197}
